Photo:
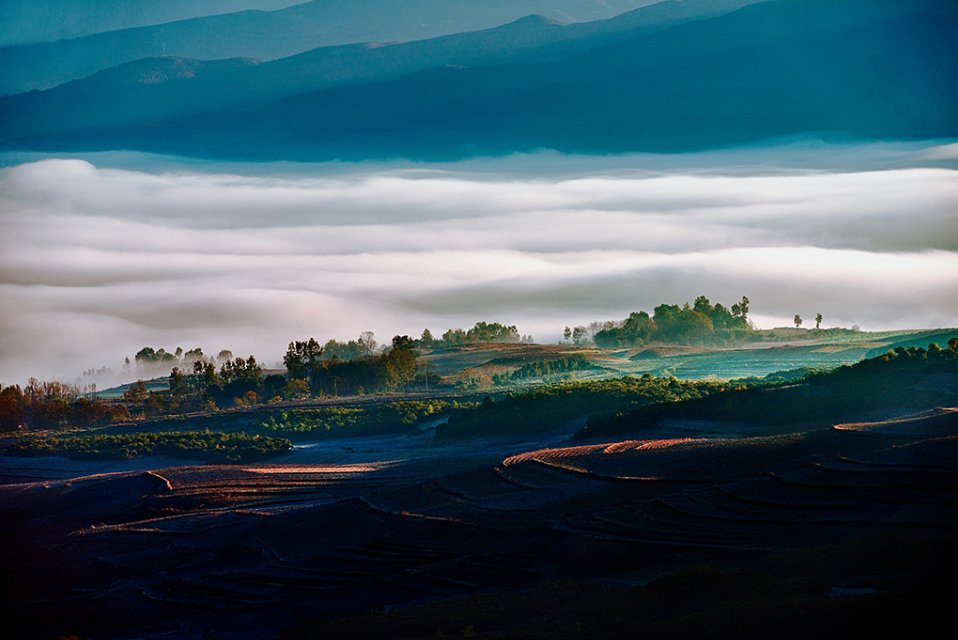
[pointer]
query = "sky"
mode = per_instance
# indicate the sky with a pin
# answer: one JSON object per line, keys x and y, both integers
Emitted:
{"x": 100, "y": 257}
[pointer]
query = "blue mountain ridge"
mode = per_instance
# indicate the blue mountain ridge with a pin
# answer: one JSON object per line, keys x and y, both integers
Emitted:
{"x": 881, "y": 69}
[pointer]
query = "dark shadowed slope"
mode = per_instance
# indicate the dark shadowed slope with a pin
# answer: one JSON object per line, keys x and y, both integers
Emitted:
{"x": 249, "y": 551}
{"x": 151, "y": 89}
{"x": 904, "y": 382}
{"x": 853, "y": 68}
{"x": 268, "y": 35}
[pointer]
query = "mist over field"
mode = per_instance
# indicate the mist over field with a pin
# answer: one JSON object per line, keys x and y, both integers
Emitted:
{"x": 99, "y": 258}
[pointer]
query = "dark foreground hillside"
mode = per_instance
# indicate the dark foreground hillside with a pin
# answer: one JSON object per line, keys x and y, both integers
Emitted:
{"x": 685, "y": 530}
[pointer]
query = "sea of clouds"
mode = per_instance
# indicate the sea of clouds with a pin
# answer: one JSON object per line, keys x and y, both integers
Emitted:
{"x": 99, "y": 258}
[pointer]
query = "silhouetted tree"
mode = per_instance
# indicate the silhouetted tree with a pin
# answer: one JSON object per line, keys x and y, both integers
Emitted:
{"x": 797, "y": 320}
{"x": 818, "y": 321}
{"x": 205, "y": 376}
{"x": 242, "y": 379}
{"x": 741, "y": 308}
{"x": 192, "y": 356}
{"x": 274, "y": 385}
{"x": 367, "y": 340}
{"x": 136, "y": 391}
{"x": 427, "y": 340}
{"x": 580, "y": 336}
{"x": 302, "y": 359}
{"x": 12, "y": 414}
{"x": 179, "y": 385}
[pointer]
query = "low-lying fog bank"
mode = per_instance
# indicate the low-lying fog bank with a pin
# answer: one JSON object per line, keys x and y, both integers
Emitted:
{"x": 98, "y": 259}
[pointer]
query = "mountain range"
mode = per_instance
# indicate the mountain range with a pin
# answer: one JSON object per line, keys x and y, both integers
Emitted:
{"x": 268, "y": 35}
{"x": 673, "y": 76}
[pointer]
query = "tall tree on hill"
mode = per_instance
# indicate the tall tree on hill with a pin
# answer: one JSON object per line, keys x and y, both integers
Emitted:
{"x": 797, "y": 320}
{"x": 818, "y": 321}
{"x": 399, "y": 365}
{"x": 427, "y": 339}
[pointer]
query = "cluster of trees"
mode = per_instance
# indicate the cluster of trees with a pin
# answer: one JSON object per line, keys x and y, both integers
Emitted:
{"x": 363, "y": 347}
{"x": 310, "y": 372}
{"x": 52, "y": 404}
{"x": 197, "y": 382}
{"x": 701, "y": 321}
{"x": 150, "y": 362}
{"x": 480, "y": 332}
{"x": 798, "y": 321}
{"x": 238, "y": 381}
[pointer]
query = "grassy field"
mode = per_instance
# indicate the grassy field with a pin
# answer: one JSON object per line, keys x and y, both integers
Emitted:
{"x": 770, "y": 352}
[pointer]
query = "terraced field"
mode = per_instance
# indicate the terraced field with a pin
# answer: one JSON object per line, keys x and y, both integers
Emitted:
{"x": 180, "y": 551}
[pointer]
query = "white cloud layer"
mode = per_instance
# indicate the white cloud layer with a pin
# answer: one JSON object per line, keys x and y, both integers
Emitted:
{"x": 96, "y": 263}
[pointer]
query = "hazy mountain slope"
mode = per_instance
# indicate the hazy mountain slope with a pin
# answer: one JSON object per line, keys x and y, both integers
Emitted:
{"x": 859, "y": 68}
{"x": 29, "y": 21}
{"x": 157, "y": 88}
{"x": 267, "y": 35}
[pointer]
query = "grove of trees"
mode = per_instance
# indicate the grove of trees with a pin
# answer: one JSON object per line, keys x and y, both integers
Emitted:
{"x": 312, "y": 370}
{"x": 480, "y": 332}
{"x": 700, "y": 322}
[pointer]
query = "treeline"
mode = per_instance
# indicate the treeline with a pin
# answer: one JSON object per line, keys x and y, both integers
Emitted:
{"x": 338, "y": 368}
{"x": 238, "y": 382}
{"x": 150, "y": 362}
{"x": 700, "y": 322}
{"x": 212, "y": 383}
{"x": 52, "y": 404}
{"x": 363, "y": 347}
{"x": 480, "y": 332}
{"x": 901, "y": 381}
